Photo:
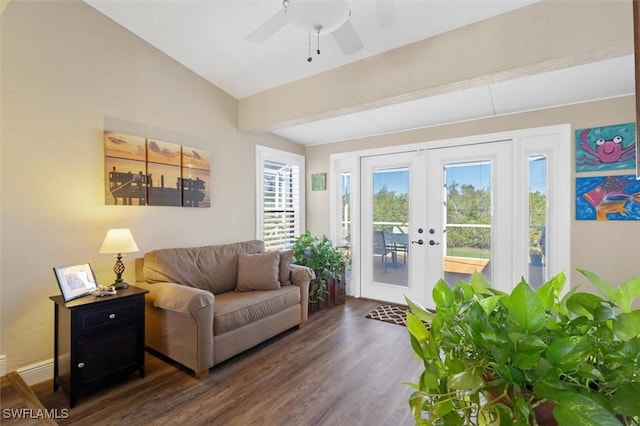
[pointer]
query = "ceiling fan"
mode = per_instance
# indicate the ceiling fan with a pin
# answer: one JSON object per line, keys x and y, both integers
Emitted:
{"x": 317, "y": 17}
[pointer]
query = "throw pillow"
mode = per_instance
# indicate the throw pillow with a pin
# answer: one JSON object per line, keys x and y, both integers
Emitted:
{"x": 286, "y": 257}
{"x": 258, "y": 271}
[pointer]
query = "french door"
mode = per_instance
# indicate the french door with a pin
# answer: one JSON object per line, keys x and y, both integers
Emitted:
{"x": 392, "y": 227}
{"x": 438, "y": 213}
{"x": 415, "y": 214}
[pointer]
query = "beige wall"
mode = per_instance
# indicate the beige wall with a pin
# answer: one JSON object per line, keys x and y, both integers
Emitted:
{"x": 610, "y": 249}
{"x": 68, "y": 73}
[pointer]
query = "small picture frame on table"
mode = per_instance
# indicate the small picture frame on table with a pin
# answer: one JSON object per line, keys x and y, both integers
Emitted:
{"x": 75, "y": 281}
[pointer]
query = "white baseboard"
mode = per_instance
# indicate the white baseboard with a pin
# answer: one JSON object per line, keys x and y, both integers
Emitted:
{"x": 37, "y": 373}
{"x": 3, "y": 365}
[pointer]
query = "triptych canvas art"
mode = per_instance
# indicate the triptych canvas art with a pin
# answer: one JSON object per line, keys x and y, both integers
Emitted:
{"x": 143, "y": 171}
{"x": 607, "y": 196}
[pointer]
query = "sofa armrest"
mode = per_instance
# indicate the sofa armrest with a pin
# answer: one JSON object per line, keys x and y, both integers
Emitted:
{"x": 179, "y": 323}
{"x": 179, "y": 298}
{"x": 301, "y": 276}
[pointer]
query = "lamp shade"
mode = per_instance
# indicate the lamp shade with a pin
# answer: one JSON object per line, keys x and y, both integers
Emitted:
{"x": 118, "y": 241}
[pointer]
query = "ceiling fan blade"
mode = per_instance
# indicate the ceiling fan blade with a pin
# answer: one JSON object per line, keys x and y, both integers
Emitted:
{"x": 269, "y": 28}
{"x": 386, "y": 13}
{"x": 347, "y": 38}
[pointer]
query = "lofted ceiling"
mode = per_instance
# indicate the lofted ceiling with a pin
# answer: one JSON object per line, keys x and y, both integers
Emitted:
{"x": 209, "y": 37}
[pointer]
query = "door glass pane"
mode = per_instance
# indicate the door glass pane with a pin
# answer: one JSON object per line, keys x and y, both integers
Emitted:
{"x": 345, "y": 216}
{"x": 467, "y": 233}
{"x": 345, "y": 209}
{"x": 391, "y": 226}
{"x": 537, "y": 219}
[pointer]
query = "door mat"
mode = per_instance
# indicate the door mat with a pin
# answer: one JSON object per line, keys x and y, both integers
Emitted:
{"x": 388, "y": 313}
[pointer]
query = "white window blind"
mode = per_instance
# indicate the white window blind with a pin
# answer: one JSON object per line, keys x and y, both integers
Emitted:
{"x": 280, "y": 197}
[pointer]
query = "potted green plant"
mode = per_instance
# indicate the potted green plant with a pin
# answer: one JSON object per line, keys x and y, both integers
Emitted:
{"x": 494, "y": 358}
{"x": 327, "y": 261}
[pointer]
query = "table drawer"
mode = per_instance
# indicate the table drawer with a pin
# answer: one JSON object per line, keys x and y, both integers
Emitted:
{"x": 119, "y": 314}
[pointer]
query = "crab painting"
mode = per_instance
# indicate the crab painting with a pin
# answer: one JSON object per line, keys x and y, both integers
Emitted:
{"x": 606, "y": 148}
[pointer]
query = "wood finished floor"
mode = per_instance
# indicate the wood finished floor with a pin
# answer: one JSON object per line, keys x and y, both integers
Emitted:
{"x": 340, "y": 369}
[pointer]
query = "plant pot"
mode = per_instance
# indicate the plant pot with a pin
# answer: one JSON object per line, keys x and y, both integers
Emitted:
{"x": 543, "y": 412}
{"x": 536, "y": 259}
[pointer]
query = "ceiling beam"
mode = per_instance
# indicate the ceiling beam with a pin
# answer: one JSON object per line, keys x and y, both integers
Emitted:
{"x": 545, "y": 36}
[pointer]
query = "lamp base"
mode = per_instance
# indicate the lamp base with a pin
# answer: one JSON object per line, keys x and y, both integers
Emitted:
{"x": 120, "y": 285}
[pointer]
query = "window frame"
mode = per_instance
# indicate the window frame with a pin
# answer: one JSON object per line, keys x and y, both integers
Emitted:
{"x": 264, "y": 155}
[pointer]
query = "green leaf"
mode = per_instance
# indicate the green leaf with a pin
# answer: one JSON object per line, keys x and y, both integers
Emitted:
{"x": 584, "y": 304}
{"x": 417, "y": 328}
{"x": 603, "y": 313}
{"x": 550, "y": 291}
{"x": 625, "y": 400}
{"x": 480, "y": 284}
{"x": 443, "y": 296}
{"x": 627, "y": 293}
{"x": 627, "y": 326}
{"x": 569, "y": 352}
{"x": 604, "y": 287}
{"x": 490, "y": 303}
{"x": 418, "y": 310}
{"x": 525, "y": 308}
{"x": 466, "y": 380}
{"x": 574, "y": 409}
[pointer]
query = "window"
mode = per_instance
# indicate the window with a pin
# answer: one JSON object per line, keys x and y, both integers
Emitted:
{"x": 280, "y": 197}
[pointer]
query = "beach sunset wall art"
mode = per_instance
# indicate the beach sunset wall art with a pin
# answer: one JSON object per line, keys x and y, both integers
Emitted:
{"x": 125, "y": 160}
{"x": 196, "y": 177}
{"x": 144, "y": 171}
{"x": 163, "y": 173}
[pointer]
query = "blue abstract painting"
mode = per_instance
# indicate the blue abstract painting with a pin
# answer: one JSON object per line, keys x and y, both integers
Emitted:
{"x": 606, "y": 148}
{"x": 608, "y": 198}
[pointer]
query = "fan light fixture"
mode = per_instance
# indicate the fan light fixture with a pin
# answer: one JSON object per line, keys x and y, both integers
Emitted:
{"x": 319, "y": 17}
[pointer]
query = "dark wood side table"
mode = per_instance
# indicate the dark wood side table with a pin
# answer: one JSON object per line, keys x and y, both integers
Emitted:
{"x": 97, "y": 339}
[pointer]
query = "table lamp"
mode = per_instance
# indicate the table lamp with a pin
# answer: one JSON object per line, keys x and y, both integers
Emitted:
{"x": 118, "y": 241}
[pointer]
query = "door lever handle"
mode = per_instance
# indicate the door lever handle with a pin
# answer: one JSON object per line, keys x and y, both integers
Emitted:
{"x": 420, "y": 242}
{"x": 433, "y": 243}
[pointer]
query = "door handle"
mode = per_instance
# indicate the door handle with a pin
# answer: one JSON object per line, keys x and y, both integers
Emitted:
{"x": 420, "y": 242}
{"x": 433, "y": 243}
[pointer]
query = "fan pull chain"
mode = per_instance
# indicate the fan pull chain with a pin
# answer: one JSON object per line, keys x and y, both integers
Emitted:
{"x": 309, "y": 59}
{"x": 318, "y": 50}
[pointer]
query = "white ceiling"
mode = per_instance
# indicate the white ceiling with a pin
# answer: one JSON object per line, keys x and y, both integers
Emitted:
{"x": 208, "y": 37}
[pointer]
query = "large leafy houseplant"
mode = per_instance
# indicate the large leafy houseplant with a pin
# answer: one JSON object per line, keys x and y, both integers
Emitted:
{"x": 492, "y": 358}
{"x": 319, "y": 254}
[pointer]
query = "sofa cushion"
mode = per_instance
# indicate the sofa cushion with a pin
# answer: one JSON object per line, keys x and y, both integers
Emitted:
{"x": 235, "y": 309}
{"x": 286, "y": 256}
{"x": 259, "y": 271}
{"x": 212, "y": 268}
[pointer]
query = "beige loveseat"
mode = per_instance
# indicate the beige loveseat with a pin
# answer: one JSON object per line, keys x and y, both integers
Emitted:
{"x": 207, "y": 304}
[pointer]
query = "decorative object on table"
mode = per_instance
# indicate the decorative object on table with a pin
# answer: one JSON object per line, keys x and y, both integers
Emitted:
{"x": 608, "y": 198}
{"x": 606, "y": 148}
{"x": 327, "y": 261}
{"x": 196, "y": 177}
{"x": 319, "y": 182}
{"x": 528, "y": 357}
{"x": 103, "y": 291}
{"x": 118, "y": 241}
{"x": 75, "y": 281}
